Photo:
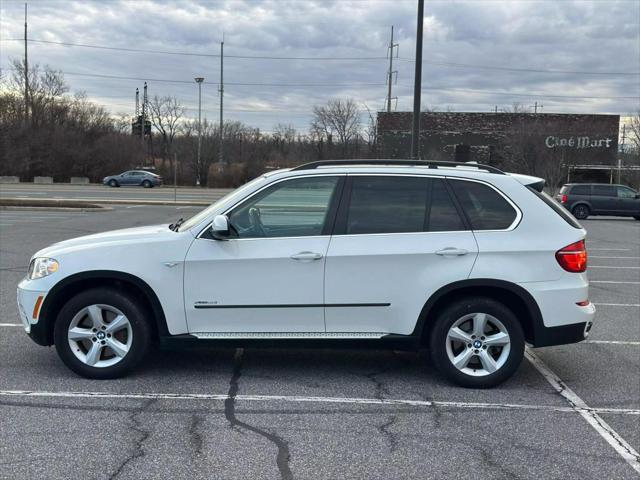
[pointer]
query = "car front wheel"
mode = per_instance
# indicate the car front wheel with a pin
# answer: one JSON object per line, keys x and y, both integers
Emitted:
{"x": 113, "y": 183}
{"x": 101, "y": 333}
{"x": 477, "y": 342}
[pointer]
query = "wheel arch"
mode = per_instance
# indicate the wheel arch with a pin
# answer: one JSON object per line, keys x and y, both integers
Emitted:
{"x": 66, "y": 288}
{"x": 516, "y": 298}
{"x": 581, "y": 202}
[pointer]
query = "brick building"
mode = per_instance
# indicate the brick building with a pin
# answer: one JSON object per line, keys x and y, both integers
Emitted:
{"x": 503, "y": 138}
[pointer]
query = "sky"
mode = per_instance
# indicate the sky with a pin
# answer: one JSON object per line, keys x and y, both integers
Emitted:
{"x": 569, "y": 56}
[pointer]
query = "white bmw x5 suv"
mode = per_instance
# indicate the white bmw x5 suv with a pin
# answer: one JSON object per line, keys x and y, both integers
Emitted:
{"x": 461, "y": 259}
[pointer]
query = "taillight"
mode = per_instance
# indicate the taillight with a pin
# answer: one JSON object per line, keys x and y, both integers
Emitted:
{"x": 563, "y": 198}
{"x": 573, "y": 258}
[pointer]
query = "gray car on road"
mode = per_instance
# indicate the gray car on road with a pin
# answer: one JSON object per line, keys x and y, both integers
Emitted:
{"x": 140, "y": 178}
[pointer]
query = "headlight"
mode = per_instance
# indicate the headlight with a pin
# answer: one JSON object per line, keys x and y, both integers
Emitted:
{"x": 41, "y": 267}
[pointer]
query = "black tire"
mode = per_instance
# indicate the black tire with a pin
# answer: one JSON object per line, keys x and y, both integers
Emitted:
{"x": 137, "y": 317}
{"x": 459, "y": 309}
{"x": 113, "y": 183}
{"x": 637, "y": 218}
{"x": 581, "y": 212}
{"x": 147, "y": 184}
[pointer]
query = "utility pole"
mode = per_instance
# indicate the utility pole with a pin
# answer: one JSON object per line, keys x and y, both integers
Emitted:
{"x": 220, "y": 153}
{"x": 391, "y": 72}
{"x": 417, "y": 85}
{"x": 536, "y": 106}
{"x": 143, "y": 117}
{"x": 199, "y": 81}
{"x": 621, "y": 153}
{"x": 26, "y": 70}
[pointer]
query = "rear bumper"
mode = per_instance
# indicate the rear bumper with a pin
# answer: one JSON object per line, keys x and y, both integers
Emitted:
{"x": 563, "y": 320}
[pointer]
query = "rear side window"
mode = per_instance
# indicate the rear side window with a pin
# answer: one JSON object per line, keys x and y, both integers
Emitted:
{"x": 605, "y": 191}
{"x": 387, "y": 205}
{"x": 485, "y": 207}
{"x": 581, "y": 190}
{"x": 556, "y": 207}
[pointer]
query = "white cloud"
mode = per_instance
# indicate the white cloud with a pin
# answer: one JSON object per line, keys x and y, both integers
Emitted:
{"x": 567, "y": 35}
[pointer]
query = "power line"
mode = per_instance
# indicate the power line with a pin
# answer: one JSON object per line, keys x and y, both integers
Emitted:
{"x": 518, "y": 69}
{"x": 189, "y": 54}
{"x": 272, "y": 57}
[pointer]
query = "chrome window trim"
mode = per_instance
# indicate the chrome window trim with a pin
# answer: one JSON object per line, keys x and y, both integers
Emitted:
{"x": 511, "y": 227}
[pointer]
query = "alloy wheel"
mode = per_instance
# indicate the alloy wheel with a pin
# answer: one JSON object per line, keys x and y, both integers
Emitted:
{"x": 100, "y": 335}
{"x": 478, "y": 344}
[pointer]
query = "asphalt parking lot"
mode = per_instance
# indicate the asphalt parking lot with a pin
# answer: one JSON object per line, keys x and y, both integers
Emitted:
{"x": 569, "y": 412}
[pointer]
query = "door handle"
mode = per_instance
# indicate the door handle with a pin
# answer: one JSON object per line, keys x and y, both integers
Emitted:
{"x": 306, "y": 256}
{"x": 452, "y": 252}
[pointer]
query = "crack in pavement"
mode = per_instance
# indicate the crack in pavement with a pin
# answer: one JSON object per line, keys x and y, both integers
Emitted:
{"x": 390, "y": 436}
{"x": 138, "y": 450}
{"x": 489, "y": 461}
{"x": 283, "y": 457}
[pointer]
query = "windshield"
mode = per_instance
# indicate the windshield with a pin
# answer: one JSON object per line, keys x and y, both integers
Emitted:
{"x": 200, "y": 216}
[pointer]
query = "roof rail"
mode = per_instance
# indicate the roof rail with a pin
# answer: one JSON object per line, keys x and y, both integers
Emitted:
{"x": 421, "y": 163}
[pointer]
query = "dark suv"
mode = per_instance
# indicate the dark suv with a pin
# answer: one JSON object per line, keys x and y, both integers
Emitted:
{"x": 584, "y": 199}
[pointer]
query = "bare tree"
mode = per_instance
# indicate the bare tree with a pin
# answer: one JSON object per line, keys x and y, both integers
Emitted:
{"x": 337, "y": 120}
{"x": 166, "y": 114}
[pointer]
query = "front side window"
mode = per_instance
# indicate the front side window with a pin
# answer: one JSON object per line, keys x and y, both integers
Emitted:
{"x": 387, "y": 205}
{"x": 624, "y": 192}
{"x": 292, "y": 208}
{"x": 484, "y": 206}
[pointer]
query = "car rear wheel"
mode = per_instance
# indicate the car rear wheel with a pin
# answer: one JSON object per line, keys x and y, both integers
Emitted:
{"x": 581, "y": 212}
{"x": 147, "y": 184}
{"x": 101, "y": 333}
{"x": 477, "y": 342}
{"x": 113, "y": 183}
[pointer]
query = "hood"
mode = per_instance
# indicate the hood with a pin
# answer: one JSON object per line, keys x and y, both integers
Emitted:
{"x": 126, "y": 235}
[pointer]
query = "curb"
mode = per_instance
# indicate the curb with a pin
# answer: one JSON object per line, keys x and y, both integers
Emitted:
{"x": 17, "y": 208}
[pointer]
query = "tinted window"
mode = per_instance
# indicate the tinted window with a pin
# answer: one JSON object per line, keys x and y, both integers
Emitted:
{"x": 581, "y": 190}
{"x": 564, "y": 189}
{"x": 387, "y": 205}
{"x": 604, "y": 191}
{"x": 443, "y": 215}
{"x": 624, "y": 192}
{"x": 293, "y": 208}
{"x": 485, "y": 208}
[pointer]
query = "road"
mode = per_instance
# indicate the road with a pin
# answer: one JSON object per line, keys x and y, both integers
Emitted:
{"x": 97, "y": 193}
{"x": 304, "y": 414}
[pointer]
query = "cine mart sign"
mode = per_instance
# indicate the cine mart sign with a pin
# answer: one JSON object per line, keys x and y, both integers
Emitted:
{"x": 577, "y": 142}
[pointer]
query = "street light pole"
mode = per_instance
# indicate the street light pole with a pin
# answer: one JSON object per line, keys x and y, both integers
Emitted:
{"x": 417, "y": 86}
{"x": 199, "y": 81}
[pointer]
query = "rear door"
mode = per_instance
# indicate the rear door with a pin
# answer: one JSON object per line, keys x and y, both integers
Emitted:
{"x": 398, "y": 238}
{"x": 604, "y": 199}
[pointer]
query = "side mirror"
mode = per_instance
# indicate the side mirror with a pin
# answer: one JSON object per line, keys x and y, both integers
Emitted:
{"x": 220, "y": 227}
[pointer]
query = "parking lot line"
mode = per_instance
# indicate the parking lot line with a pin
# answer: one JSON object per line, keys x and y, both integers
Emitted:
{"x": 615, "y": 281}
{"x": 613, "y": 342}
{"x": 312, "y": 399}
{"x": 618, "y": 443}
{"x": 619, "y": 258}
{"x": 10, "y": 325}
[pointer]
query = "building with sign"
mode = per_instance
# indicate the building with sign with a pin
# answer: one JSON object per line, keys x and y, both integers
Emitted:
{"x": 525, "y": 142}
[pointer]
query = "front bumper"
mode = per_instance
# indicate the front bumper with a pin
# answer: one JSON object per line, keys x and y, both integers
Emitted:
{"x": 29, "y": 306}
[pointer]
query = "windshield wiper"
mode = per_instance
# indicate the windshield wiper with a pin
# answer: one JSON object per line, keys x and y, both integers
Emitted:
{"x": 176, "y": 226}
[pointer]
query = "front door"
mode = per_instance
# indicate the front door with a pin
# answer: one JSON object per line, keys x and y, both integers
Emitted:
{"x": 397, "y": 240}
{"x": 628, "y": 203}
{"x": 269, "y": 277}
